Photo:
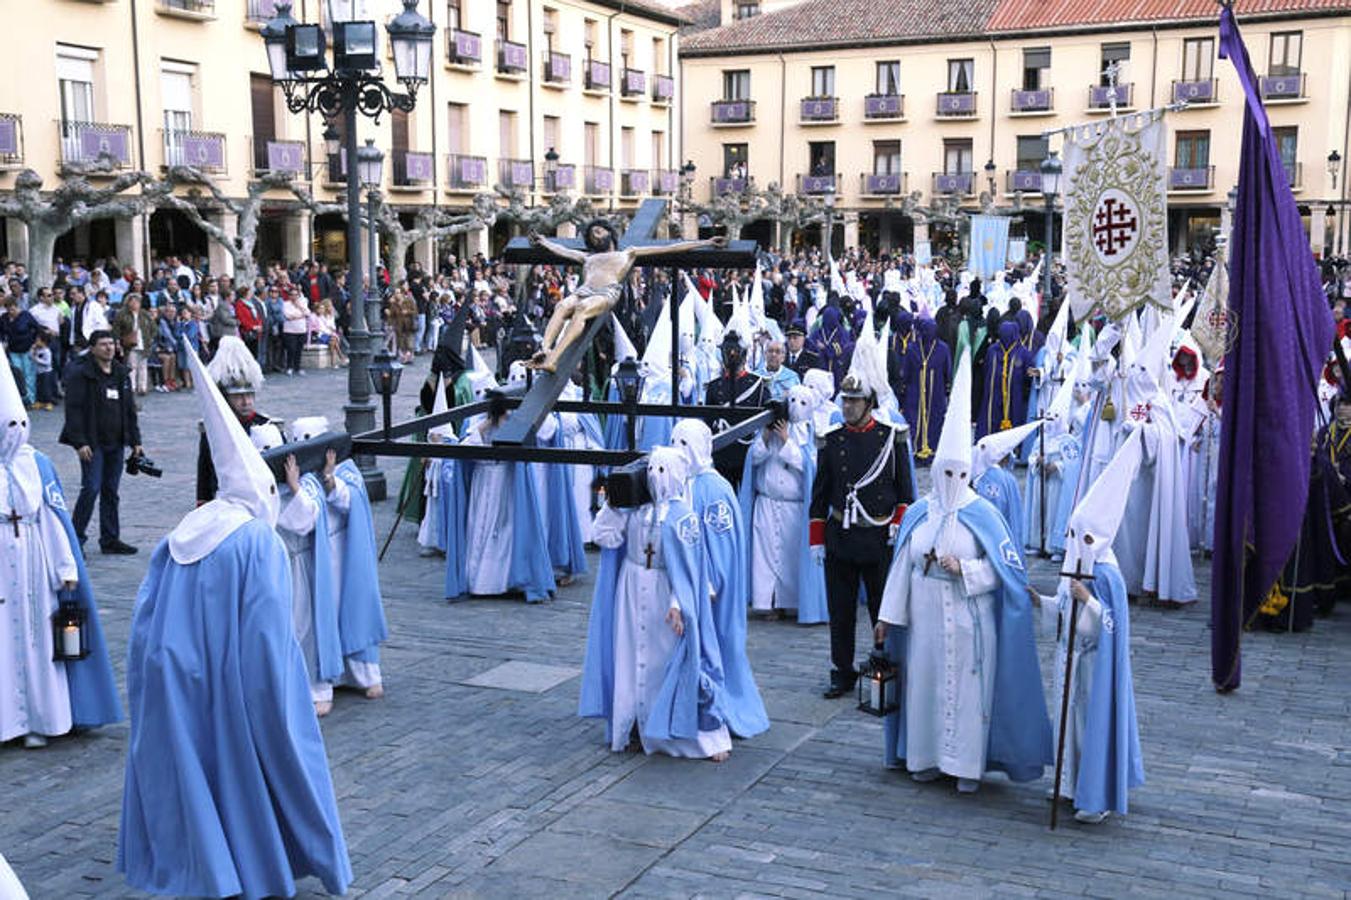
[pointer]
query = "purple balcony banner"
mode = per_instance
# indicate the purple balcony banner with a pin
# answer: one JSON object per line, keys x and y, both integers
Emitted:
{"x": 206, "y": 151}
{"x": 729, "y": 185}
{"x": 955, "y": 183}
{"x": 818, "y": 109}
{"x": 638, "y": 182}
{"x": 634, "y": 82}
{"x": 604, "y": 179}
{"x": 9, "y": 137}
{"x": 1282, "y": 87}
{"x": 956, "y": 104}
{"x": 663, "y": 87}
{"x": 1194, "y": 91}
{"x": 732, "y": 111}
{"x": 522, "y": 174}
{"x": 883, "y": 184}
{"x": 818, "y": 184}
{"x": 1189, "y": 179}
{"x": 418, "y": 166}
{"x": 513, "y": 56}
{"x": 599, "y": 74}
{"x": 473, "y": 170}
{"x": 283, "y": 157}
{"x": 468, "y": 46}
{"x": 1102, "y": 96}
{"x": 565, "y": 177}
{"x": 669, "y": 182}
{"x": 1026, "y": 181}
{"x": 560, "y": 66}
{"x": 878, "y": 106}
{"x": 96, "y": 143}
{"x": 1024, "y": 101}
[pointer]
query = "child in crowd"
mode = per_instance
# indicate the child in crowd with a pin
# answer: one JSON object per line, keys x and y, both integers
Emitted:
{"x": 46, "y": 380}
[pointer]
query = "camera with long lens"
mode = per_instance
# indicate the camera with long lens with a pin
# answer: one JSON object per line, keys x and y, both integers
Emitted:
{"x": 140, "y": 464}
{"x": 779, "y": 409}
{"x": 626, "y": 488}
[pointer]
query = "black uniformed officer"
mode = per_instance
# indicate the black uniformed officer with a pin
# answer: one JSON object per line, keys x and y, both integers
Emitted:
{"x": 799, "y": 358}
{"x": 736, "y": 387}
{"x": 862, "y": 487}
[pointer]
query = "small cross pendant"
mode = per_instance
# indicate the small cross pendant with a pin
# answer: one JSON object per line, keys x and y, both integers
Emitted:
{"x": 929, "y": 559}
{"x": 14, "y": 519}
{"x": 649, "y": 551}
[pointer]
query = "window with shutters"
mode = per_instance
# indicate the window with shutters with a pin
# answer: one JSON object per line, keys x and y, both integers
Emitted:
{"x": 457, "y": 132}
{"x": 1120, "y": 54}
{"x": 1198, "y": 59}
{"x": 1193, "y": 150}
{"x": 957, "y": 157}
{"x": 736, "y": 85}
{"x": 1286, "y": 48}
{"x": 823, "y": 81}
{"x": 75, "y": 80}
{"x": 889, "y": 77}
{"x": 961, "y": 76}
{"x": 1036, "y": 68}
{"x": 591, "y": 144}
{"x": 886, "y": 157}
{"x": 506, "y": 134}
{"x": 1031, "y": 152}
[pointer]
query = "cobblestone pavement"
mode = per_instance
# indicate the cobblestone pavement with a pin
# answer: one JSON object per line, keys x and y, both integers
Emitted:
{"x": 449, "y": 789}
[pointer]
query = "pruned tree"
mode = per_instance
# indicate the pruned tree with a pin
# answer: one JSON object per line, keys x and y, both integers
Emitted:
{"x": 72, "y": 204}
{"x": 242, "y": 243}
{"x": 733, "y": 211}
{"x": 796, "y": 212}
{"x": 561, "y": 209}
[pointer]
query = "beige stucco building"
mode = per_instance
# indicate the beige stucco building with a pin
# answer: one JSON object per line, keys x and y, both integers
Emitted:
{"x": 866, "y": 101}
{"x": 148, "y": 83}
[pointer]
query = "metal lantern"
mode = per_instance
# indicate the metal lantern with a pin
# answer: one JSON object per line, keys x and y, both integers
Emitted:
{"x": 629, "y": 378}
{"x": 385, "y": 374}
{"x": 879, "y": 686}
{"x": 354, "y": 46}
{"x": 1050, "y": 175}
{"x": 274, "y": 39}
{"x": 332, "y": 140}
{"x": 70, "y": 629}
{"x": 370, "y": 166}
{"x": 410, "y": 37}
{"x": 306, "y": 49}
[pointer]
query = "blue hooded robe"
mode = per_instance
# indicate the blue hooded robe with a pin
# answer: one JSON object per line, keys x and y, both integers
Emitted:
{"x": 1000, "y": 486}
{"x": 811, "y": 578}
{"x": 1020, "y": 742}
{"x": 89, "y": 681}
{"x": 690, "y": 699}
{"x": 567, "y": 551}
{"x": 227, "y": 784}
{"x": 361, "y": 608}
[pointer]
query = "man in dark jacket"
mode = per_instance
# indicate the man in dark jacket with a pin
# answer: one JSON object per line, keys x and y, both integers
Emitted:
{"x": 18, "y": 330}
{"x": 100, "y": 424}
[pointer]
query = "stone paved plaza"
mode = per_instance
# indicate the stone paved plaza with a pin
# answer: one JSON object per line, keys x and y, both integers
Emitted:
{"x": 453, "y": 787}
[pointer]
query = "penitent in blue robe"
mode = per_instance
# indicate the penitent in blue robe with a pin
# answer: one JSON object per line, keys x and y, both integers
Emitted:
{"x": 1000, "y": 487}
{"x": 567, "y": 551}
{"x": 361, "y": 608}
{"x": 725, "y": 562}
{"x": 1020, "y": 742}
{"x": 227, "y": 784}
{"x": 452, "y": 500}
{"x": 93, "y": 690}
{"x": 690, "y": 699}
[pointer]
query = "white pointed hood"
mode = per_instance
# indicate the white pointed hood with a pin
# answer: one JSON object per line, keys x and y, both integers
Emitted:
{"x": 441, "y": 433}
{"x": 1055, "y": 335}
{"x": 951, "y": 467}
{"x": 1096, "y": 518}
{"x": 657, "y": 354}
{"x": 1062, "y": 404}
{"x": 667, "y": 474}
{"x": 266, "y": 437}
{"x": 869, "y": 364}
{"x": 694, "y": 440}
{"x": 246, "y": 489}
{"x": 14, "y": 422}
{"x": 991, "y": 449}
{"x": 624, "y": 348}
{"x": 476, "y": 362}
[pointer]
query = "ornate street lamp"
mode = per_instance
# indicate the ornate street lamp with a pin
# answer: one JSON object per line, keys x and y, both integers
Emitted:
{"x": 298, "y": 57}
{"x": 629, "y": 380}
{"x": 1334, "y": 166}
{"x": 371, "y": 172}
{"x": 989, "y": 177}
{"x": 1050, "y": 187}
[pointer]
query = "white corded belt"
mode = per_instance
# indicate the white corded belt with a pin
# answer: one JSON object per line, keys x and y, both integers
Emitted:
{"x": 853, "y": 507}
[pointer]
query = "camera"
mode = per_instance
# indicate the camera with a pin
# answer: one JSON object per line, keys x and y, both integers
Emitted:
{"x": 626, "y": 488}
{"x": 780, "y": 410}
{"x": 143, "y": 465}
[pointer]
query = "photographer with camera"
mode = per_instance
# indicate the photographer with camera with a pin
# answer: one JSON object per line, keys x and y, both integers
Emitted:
{"x": 100, "y": 424}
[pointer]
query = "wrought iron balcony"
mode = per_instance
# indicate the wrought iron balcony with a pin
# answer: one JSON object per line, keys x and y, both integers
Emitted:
{"x": 634, "y": 84}
{"x": 466, "y": 173}
{"x": 1282, "y": 87}
{"x": 464, "y": 48}
{"x": 634, "y": 182}
{"x": 198, "y": 149}
{"x": 517, "y": 173}
{"x": 413, "y": 169}
{"x": 188, "y": 9}
{"x": 956, "y": 104}
{"x": 511, "y": 58}
{"x": 270, "y": 156}
{"x": 663, "y": 88}
{"x": 557, "y": 68}
{"x": 562, "y": 178}
{"x": 260, "y": 10}
{"x": 817, "y": 185}
{"x": 666, "y": 182}
{"x": 953, "y": 182}
{"x": 597, "y": 75}
{"x": 1190, "y": 178}
{"x": 733, "y": 112}
{"x": 1102, "y": 96}
{"x": 816, "y": 110}
{"x": 1023, "y": 181}
{"x": 600, "y": 180}
{"x": 882, "y": 184}
{"x": 1206, "y": 90}
{"x": 884, "y": 106}
{"x": 1039, "y": 101}
{"x": 95, "y": 145}
{"x": 11, "y": 140}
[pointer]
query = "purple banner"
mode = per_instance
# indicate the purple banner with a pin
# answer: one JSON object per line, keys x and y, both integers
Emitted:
{"x": 952, "y": 183}
{"x": 603, "y": 179}
{"x": 879, "y": 106}
{"x": 1189, "y": 179}
{"x": 663, "y": 87}
{"x": 1103, "y": 96}
{"x": 731, "y": 111}
{"x": 956, "y": 104}
{"x": 1025, "y": 180}
{"x": 634, "y": 82}
{"x": 638, "y": 182}
{"x": 818, "y": 109}
{"x": 522, "y": 174}
{"x": 98, "y": 143}
{"x": 468, "y": 46}
{"x": 418, "y": 166}
{"x": 9, "y": 137}
{"x": 818, "y": 184}
{"x": 560, "y": 66}
{"x": 565, "y": 177}
{"x": 598, "y": 74}
{"x": 206, "y": 151}
{"x": 1282, "y": 87}
{"x": 1194, "y": 91}
{"x": 669, "y": 182}
{"x": 729, "y": 185}
{"x": 1031, "y": 101}
{"x": 883, "y": 184}
{"x": 513, "y": 55}
{"x": 473, "y": 170}
{"x": 285, "y": 157}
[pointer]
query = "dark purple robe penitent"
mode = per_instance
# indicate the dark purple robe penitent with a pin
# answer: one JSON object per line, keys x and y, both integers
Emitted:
{"x": 926, "y": 370}
{"x": 1003, "y": 401}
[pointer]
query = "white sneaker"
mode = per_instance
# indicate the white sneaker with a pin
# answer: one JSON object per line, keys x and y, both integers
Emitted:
{"x": 1089, "y": 818}
{"x": 968, "y": 785}
{"x": 34, "y": 741}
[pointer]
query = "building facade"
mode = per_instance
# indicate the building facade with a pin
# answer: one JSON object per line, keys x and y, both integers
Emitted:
{"x": 146, "y": 84}
{"x": 865, "y": 103}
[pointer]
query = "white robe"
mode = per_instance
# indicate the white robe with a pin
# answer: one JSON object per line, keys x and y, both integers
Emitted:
{"x": 488, "y": 536}
{"x": 429, "y": 530}
{"x": 580, "y": 477}
{"x": 777, "y": 522}
{"x": 643, "y": 639}
{"x": 1055, "y": 611}
{"x": 1152, "y": 546}
{"x": 950, "y": 664}
{"x": 34, "y": 694}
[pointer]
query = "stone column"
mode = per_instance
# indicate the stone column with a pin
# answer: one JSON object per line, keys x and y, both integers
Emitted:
{"x": 424, "y": 254}
{"x": 129, "y": 233}
{"x": 476, "y": 241}
{"x": 16, "y": 239}
{"x": 297, "y": 236}
{"x": 222, "y": 263}
{"x": 921, "y": 230}
{"x": 567, "y": 230}
{"x": 850, "y": 230}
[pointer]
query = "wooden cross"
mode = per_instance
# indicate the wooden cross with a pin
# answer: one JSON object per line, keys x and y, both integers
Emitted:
{"x": 546, "y": 387}
{"x": 930, "y": 558}
{"x": 14, "y": 519}
{"x": 649, "y": 551}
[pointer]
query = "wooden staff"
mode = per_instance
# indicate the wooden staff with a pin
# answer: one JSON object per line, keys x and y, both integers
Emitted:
{"x": 1065, "y": 694}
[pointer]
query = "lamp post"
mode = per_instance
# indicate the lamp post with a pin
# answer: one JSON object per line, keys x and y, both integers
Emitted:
{"x": 1050, "y": 186}
{"x": 687, "y": 194}
{"x": 1335, "y": 167}
{"x": 370, "y": 172}
{"x": 551, "y": 170}
{"x": 298, "y": 57}
{"x": 629, "y": 378}
{"x": 989, "y": 177}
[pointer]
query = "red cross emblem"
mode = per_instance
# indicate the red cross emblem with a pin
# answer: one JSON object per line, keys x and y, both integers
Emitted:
{"x": 1115, "y": 226}
{"x": 1218, "y": 319}
{"x": 1140, "y": 412}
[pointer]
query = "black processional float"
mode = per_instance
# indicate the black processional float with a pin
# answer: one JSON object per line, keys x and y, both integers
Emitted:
{"x": 514, "y": 440}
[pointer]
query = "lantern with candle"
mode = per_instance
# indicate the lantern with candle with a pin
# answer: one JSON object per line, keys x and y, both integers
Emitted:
{"x": 70, "y": 629}
{"x": 879, "y": 686}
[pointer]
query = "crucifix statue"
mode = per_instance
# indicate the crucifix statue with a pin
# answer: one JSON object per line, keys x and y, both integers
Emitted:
{"x": 605, "y": 265}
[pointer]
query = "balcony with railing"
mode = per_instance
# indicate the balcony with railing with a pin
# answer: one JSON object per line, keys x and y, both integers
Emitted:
{"x": 203, "y": 150}
{"x": 1022, "y": 181}
{"x": 953, "y": 182}
{"x": 412, "y": 170}
{"x": 516, "y": 173}
{"x": 634, "y": 182}
{"x": 511, "y": 58}
{"x": 1197, "y": 179}
{"x": 729, "y": 184}
{"x": 663, "y": 88}
{"x": 187, "y": 9}
{"x": 1203, "y": 92}
{"x": 269, "y": 157}
{"x": 956, "y": 105}
{"x": 599, "y": 180}
{"x": 665, "y": 182}
{"x": 561, "y": 178}
{"x": 260, "y": 11}
{"x": 94, "y": 145}
{"x": 597, "y": 76}
{"x": 733, "y": 112}
{"x": 1102, "y": 96}
{"x": 464, "y": 48}
{"x": 1283, "y": 88}
{"x": 633, "y": 85}
{"x": 557, "y": 69}
{"x": 1038, "y": 102}
{"x": 884, "y": 107}
{"x": 466, "y": 173}
{"x": 817, "y": 185}
{"x": 11, "y": 140}
{"x": 882, "y": 184}
{"x": 819, "y": 110}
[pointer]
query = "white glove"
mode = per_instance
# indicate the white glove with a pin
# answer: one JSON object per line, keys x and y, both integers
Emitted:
{"x": 891, "y": 533}
{"x": 819, "y": 554}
